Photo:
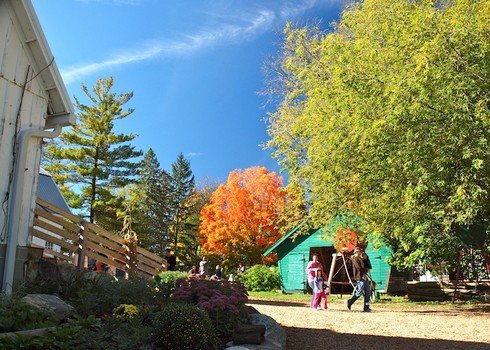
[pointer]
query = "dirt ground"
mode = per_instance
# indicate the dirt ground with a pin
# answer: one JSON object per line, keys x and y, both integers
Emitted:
{"x": 389, "y": 326}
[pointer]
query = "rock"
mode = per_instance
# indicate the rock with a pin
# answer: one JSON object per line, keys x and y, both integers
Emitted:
{"x": 275, "y": 335}
{"x": 248, "y": 334}
{"x": 251, "y": 310}
{"x": 61, "y": 309}
{"x": 38, "y": 332}
{"x": 42, "y": 269}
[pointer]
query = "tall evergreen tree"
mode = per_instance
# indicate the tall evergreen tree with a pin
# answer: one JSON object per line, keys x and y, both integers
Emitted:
{"x": 92, "y": 161}
{"x": 182, "y": 181}
{"x": 156, "y": 204}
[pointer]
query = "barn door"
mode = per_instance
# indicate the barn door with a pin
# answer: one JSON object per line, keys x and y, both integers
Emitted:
{"x": 295, "y": 277}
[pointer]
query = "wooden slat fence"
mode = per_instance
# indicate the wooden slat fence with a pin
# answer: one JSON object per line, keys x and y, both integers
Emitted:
{"x": 79, "y": 239}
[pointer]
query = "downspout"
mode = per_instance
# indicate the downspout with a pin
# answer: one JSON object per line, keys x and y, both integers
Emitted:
{"x": 16, "y": 201}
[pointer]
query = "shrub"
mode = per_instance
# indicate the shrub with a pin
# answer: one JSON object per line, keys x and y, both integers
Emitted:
{"x": 181, "y": 326}
{"x": 224, "y": 301}
{"x": 87, "y": 333}
{"x": 126, "y": 312}
{"x": 261, "y": 278}
{"x": 165, "y": 283}
{"x": 16, "y": 315}
{"x": 97, "y": 295}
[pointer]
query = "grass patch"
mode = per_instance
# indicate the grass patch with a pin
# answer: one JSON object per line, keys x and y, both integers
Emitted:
{"x": 293, "y": 297}
{"x": 386, "y": 301}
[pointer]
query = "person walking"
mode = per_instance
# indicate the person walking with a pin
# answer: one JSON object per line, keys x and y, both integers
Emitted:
{"x": 361, "y": 266}
{"x": 311, "y": 273}
{"x": 319, "y": 287}
{"x": 170, "y": 258}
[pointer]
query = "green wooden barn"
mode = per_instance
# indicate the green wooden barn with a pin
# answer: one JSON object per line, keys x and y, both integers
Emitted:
{"x": 295, "y": 251}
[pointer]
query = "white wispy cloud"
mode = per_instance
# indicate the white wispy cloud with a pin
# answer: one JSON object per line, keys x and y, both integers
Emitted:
{"x": 295, "y": 8}
{"x": 116, "y": 2}
{"x": 194, "y": 154}
{"x": 291, "y": 10}
{"x": 250, "y": 26}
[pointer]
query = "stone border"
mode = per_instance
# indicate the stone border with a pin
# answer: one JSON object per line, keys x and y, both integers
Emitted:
{"x": 275, "y": 335}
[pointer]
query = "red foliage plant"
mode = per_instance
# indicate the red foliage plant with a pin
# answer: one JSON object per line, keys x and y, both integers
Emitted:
{"x": 242, "y": 219}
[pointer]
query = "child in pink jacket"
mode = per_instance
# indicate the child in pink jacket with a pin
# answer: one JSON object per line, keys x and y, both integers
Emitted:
{"x": 319, "y": 291}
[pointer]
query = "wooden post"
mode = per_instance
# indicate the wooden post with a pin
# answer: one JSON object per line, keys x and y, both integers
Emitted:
{"x": 131, "y": 244}
{"x": 332, "y": 267}
{"x": 458, "y": 271}
{"x": 81, "y": 245}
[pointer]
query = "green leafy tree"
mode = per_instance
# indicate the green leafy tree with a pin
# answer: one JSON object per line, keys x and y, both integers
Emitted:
{"x": 92, "y": 161}
{"x": 388, "y": 117}
{"x": 190, "y": 239}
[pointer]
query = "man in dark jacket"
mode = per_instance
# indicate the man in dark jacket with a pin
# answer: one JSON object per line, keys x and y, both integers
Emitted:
{"x": 170, "y": 258}
{"x": 361, "y": 266}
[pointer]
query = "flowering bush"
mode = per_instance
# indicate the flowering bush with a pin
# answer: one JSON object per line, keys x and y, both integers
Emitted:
{"x": 224, "y": 301}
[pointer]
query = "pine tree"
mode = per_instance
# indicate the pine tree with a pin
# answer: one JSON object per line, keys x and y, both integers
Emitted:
{"x": 92, "y": 161}
{"x": 182, "y": 181}
{"x": 156, "y": 202}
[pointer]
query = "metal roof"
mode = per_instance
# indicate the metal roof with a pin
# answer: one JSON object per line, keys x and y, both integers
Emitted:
{"x": 49, "y": 191}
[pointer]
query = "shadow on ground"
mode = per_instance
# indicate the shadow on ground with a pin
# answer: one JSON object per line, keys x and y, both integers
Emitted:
{"x": 315, "y": 339}
{"x": 276, "y": 302}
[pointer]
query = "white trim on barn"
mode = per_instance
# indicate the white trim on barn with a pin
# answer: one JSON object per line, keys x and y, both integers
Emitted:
{"x": 32, "y": 98}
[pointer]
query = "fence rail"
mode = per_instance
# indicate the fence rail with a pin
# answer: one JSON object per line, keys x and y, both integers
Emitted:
{"x": 79, "y": 240}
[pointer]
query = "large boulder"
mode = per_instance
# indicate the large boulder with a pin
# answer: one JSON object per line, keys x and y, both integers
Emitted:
{"x": 61, "y": 309}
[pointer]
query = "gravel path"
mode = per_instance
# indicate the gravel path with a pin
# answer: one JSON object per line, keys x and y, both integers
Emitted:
{"x": 387, "y": 327}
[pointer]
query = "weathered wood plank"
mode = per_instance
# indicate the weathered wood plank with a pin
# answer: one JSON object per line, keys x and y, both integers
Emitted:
{"x": 90, "y": 236}
{"x": 51, "y": 228}
{"x": 148, "y": 270}
{"x": 105, "y": 233}
{"x": 93, "y": 254}
{"x": 52, "y": 207}
{"x": 110, "y": 253}
{"x": 58, "y": 255}
{"x": 57, "y": 219}
{"x": 149, "y": 262}
{"x": 150, "y": 255}
{"x": 49, "y": 238}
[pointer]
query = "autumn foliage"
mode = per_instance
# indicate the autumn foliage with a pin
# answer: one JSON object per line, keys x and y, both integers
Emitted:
{"x": 241, "y": 220}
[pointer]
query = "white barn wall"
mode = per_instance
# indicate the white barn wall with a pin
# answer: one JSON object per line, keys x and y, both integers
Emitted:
{"x": 15, "y": 60}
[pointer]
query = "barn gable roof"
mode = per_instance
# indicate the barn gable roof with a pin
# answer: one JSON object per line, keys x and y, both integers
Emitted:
{"x": 283, "y": 238}
{"x": 60, "y": 108}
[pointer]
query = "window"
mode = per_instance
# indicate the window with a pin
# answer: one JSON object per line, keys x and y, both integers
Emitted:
{"x": 48, "y": 245}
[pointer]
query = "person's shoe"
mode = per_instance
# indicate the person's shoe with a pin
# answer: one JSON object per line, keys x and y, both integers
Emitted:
{"x": 349, "y": 304}
{"x": 366, "y": 309}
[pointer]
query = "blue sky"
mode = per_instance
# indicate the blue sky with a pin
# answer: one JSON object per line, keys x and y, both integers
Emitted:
{"x": 195, "y": 68}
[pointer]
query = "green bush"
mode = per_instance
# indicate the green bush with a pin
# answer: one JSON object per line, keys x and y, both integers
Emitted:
{"x": 87, "y": 333}
{"x": 16, "y": 315}
{"x": 181, "y": 326}
{"x": 99, "y": 294}
{"x": 261, "y": 278}
{"x": 165, "y": 283}
{"x": 126, "y": 312}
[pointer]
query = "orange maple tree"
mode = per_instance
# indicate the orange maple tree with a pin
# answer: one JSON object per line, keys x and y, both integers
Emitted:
{"x": 242, "y": 218}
